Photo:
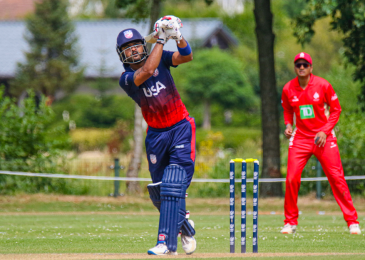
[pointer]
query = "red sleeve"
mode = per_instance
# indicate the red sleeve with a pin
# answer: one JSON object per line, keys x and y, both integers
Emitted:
{"x": 288, "y": 110}
{"x": 335, "y": 110}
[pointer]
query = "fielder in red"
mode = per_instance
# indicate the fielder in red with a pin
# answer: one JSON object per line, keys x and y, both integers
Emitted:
{"x": 312, "y": 105}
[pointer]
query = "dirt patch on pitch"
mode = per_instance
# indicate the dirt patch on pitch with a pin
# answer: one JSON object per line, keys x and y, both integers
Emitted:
{"x": 144, "y": 256}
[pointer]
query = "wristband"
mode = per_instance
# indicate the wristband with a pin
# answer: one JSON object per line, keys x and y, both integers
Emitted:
{"x": 184, "y": 51}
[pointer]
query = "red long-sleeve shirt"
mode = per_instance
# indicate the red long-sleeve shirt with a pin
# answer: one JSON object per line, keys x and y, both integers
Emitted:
{"x": 309, "y": 106}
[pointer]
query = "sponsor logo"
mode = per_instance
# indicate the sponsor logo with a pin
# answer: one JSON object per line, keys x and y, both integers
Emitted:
{"x": 243, "y": 201}
{"x": 243, "y": 188}
{"x": 231, "y": 227}
{"x": 231, "y": 240}
{"x": 155, "y": 74}
{"x": 254, "y": 240}
{"x": 255, "y": 203}
{"x": 295, "y": 99}
{"x": 255, "y": 188}
{"x": 128, "y": 34}
{"x": 281, "y": 101}
{"x": 153, "y": 158}
{"x": 306, "y": 112}
{"x": 333, "y": 144}
{"x": 315, "y": 97}
{"x": 179, "y": 146}
{"x": 243, "y": 227}
{"x": 154, "y": 90}
{"x": 231, "y": 188}
{"x": 231, "y": 213}
{"x": 254, "y": 214}
{"x": 334, "y": 97}
{"x": 161, "y": 237}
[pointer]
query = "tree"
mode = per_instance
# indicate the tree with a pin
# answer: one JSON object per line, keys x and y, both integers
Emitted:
{"x": 269, "y": 99}
{"x": 349, "y": 19}
{"x": 207, "y": 81}
{"x": 51, "y": 63}
{"x": 138, "y": 10}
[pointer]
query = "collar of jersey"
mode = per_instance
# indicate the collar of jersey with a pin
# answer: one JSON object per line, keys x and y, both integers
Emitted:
{"x": 310, "y": 83}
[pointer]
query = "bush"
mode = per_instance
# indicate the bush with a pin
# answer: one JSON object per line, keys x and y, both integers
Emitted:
{"x": 29, "y": 143}
{"x": 90, "y": 111}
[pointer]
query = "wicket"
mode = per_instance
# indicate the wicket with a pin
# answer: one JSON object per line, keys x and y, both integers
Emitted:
{"x": 243, "y": 204}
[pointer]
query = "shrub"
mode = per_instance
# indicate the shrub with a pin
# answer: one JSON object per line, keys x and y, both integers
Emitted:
{"x": 29, "y": 143}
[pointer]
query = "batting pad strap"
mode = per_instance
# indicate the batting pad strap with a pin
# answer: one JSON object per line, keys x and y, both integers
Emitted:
{"x": 184, "y": 51}
{"x": 173, "y": 190}
{"x": 187, "y": 229}
{"x": 154, "y": 191}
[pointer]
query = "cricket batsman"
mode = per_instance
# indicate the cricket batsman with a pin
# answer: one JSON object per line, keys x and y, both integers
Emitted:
{"x": 170, "y": 141}
{"x": 311, "y": 103}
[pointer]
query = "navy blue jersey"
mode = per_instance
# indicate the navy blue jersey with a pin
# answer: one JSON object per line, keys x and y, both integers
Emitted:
{"x": 158, "y": 97}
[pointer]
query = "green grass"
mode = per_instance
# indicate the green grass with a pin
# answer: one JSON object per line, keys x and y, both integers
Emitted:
{"x": 31, "y": 224}
{"x": 135, "y": 233}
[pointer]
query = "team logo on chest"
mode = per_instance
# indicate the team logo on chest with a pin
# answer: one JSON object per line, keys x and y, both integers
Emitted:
{"x": 155, "y": 74}
{"x": 295, "y": 99}
{"x": 316, "y": 97}
{"x": 154, "y": 90}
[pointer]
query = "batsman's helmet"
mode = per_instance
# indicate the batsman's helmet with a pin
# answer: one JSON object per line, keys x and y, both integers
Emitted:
{"x": 126, "y": 36}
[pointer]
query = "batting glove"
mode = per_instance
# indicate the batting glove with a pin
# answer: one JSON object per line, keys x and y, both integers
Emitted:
{"x": 172, "y": 25}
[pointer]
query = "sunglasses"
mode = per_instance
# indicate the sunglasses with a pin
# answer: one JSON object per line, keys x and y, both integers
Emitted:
{"x": 299, "y": 65}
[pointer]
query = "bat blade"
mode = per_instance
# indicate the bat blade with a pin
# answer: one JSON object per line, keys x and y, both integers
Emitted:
{"x": 151, "y": 38}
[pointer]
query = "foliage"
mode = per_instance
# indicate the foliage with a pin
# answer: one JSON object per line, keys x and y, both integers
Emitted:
{"x": 96, "y": 111}
{"x": 216, "y": 76}
{"x": 89, "y": 139}
{"x": 29, "y": 143}
{"x": 52, "y": 61}
{"x": 351, "y": 142}
{"x": 347, "y": 17}
{"x": 191, "y": 9}
{"x": 136, "y": 9}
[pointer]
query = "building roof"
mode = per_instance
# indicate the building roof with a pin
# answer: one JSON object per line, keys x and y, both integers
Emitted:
{"x": 97, "y": 41}
{"x": 15, "y": 9}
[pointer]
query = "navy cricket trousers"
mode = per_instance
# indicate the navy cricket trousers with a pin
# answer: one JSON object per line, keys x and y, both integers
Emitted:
{"x": 173, "y": 145}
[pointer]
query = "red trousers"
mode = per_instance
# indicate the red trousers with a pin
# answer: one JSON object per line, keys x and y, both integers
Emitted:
{"x": 300, "y": 150}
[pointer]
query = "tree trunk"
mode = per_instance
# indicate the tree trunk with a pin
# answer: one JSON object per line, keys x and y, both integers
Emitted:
{"x": 206, "y": 115}
{"x": 269, "y": 104}
{"x": 135, "y": 164}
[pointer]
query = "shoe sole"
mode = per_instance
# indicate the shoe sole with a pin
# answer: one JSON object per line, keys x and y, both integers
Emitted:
{"x": 287, "y": 233}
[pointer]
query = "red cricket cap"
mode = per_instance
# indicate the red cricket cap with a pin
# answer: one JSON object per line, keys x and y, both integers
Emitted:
{"x": 304, "y": 56}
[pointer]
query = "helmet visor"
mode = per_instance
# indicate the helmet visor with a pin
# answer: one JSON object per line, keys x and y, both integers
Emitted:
{"x": 133, "y": 54}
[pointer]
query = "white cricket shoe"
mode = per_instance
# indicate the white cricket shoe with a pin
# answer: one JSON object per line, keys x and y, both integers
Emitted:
{"x": 160, "y": 249}
{"x": 355, "y": 229}
{"x": 188, "y": 243}
{"x": 289, "y": 229}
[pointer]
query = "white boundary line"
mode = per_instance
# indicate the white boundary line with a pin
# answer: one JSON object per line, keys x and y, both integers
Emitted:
{"x": 105, "y": 178}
